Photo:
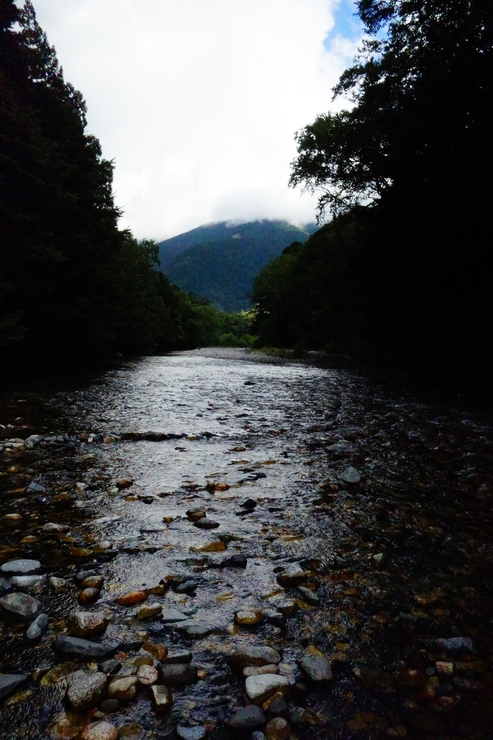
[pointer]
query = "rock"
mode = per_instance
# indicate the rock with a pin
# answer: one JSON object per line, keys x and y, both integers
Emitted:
{"x": 350, "y": 475}
{"x": 58, "y": 673}
{"x": 247, "y": 717}
{"x": 4, "y": 586}
{"x": 277, "y": 729}
{"x": 34, "y": 487}
{"x": 309, "y": 596}
{"x": 53, "y": 528}
{"x": 20, "y": 567}
{"x": 124, "y": 483}
{"x": 37, "y": 627}
{"x": 260, "y": 670}
{"x": 110, "y": 667}
{"x": 149, "y": 610}
{"x": 190, "y": 733}
{"x": 173, "y": 615}
{"x": 99, "y": 731}
{"x": 123, "y": 688}
{"x": 235, "y": 561}
{"x": 187, "y": 587}
{"x": 257, "y": 735}
{"x": 278, "y": 707}
{"x": 162, "y": 697}
{"x": 316, "y": 667}
{"x": 251, "y": 655}
{"x": 82, "y": 624}
{"x": 291, "y": 576}
{"x": 19, "y": 606}
{"x": 249, "y": 504}
{"x": 78, "y": 646}
{"x": 86, "y": 689}
{"x": 456, "y": 645}
{"x": 205, "y": 523}
{"x": 133, "y": 597}
{"x": 9, "y": 682}
{"x": 88, "y": 595}
{"x": 259, "y": 688}
{"x": 92, "y": 581}
{"x": 248, "y": 618}
{"x": 179, "y": 656}
{"x": 178, "y": 674}
{"x": 147, "y": 675}
{"x": 195, "y": 630}
{"x": 158, "y": 651}
{"x": 57, "y": 584}
{"x": 196, "y": 512}
{"x": 27, "y": 582}
{"x": 288, "y": 607}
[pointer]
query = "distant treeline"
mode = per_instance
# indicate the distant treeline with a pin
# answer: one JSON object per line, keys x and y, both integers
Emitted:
{"x": 404, "y": 269}
{"x": 73, "y": 286}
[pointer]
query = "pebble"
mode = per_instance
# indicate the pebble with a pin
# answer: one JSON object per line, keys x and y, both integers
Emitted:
{"x": 278, "y": 707}
{"x": 205, "y": 523}
{"x": 456, "y": 645}
{"x": 124, "y": 483}
{"x": 82, "y": 624}
{"x": 291, "y": 576}
{"x": 147, "y": 675}
{"x": 123, "y": 688}
{"x": 172, "y": 615}
{"x": 162, "y": 697}
{"x": 316, "y": 667}
{"x": 259, "y": 688}
{"x": 86, "y": 689}
{"x": 187, "y": 587}
{"x": 251, "y": 655}
{"x": 235, "y": 561}
{"x": 277, "y": 729}
{"x": 20, "y": 606}
{"x": 53, "y": 528}
{"x": 57, "y": 584}
{"x": 149, "y": 610}
{"x": 260, "y": 670}
{"x": 309, "y": 596}
{"x": 37, "y": 627}
{"x": 92, "y": 581}
{"x": 27, "y": 581}
{"x": 99, "y": 731}
{"x": 79, "y": 646}
{"x": 9, "y": 682}
{"x": 20, "y": 567}
{"x": 350, "y": 475}
{"x": 196, "y": 630}
{"x": 178, "y": 674}
{"x": 248, "y": 617}
{"x": 133, "y": 597}
{"x": 190, "y": 733}
{"x": 88, "y": 595}
{"x": 196, "y": 512}
{"x": 246, "y": 717}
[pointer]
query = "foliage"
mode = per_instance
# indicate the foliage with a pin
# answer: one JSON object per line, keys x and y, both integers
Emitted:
{"x": 406, "y": 265}
{"x": 72, "y": 285}
{"x": 220, "y": 261}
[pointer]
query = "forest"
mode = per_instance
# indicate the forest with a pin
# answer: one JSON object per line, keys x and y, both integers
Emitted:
{"x": 401, "y": 273}
{"x": 73, "y": 286}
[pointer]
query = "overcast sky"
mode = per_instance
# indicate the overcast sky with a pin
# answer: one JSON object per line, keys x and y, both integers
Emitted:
{"x": 197, "y": 101}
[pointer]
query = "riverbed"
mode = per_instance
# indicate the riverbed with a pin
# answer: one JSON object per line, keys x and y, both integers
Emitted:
{"x": 319, "y": 512}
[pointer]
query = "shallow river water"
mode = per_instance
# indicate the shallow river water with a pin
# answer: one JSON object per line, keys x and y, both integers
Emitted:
{"x": 392, "y": 562}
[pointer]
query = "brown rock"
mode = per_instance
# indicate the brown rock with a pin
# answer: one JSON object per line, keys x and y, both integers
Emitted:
{"x": 88, "y": 595}
{"x": 93, "y": 582}
{"x": 158, "y": 651}
{"x": 149, "y": 610}
{"x": 81, "y": 624}
{"x": 147, "y": 675}
{"x": 133, "y": 597}
{"x": 277, "y": 729}
{"x": 124, "y": 483}
{"x": 99, "y": 731}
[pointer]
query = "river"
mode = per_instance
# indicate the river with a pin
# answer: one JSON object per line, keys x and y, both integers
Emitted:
{"x": 392, "y": 557}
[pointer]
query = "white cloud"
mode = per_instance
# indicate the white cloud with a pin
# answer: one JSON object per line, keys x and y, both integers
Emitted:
{"x": 197, "y": 101}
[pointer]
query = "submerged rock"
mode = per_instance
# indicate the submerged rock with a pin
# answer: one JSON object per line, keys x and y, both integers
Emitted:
{"x": 247, "y": 717}
{"x": 291, "y": 576}
{"x": 173, "y": 615}
{"x": 316, "y": 667}
{"x": 78, "y": 646}
{"x": 251, "y": 655}
{"x": 86, "y": 689}
{"x": 19, "y": 606}
{"x": 37, "y": 627}
{"x": 20, "y": 567}
{"x": 178, "y": 674}
{"x": 456, "y": 645}
{"x": 9, "y": 682}
{"x": 190, "y": 733}
{"x": 350, "y": 475}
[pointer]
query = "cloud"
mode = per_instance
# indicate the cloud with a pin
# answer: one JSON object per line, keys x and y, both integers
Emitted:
{"x": 197, "y": 101}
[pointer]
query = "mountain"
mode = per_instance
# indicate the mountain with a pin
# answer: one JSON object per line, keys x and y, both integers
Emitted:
{"x": 219, "y": 261}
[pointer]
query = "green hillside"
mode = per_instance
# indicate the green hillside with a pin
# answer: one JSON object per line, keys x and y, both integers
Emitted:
{"x": 220, "y": 261}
